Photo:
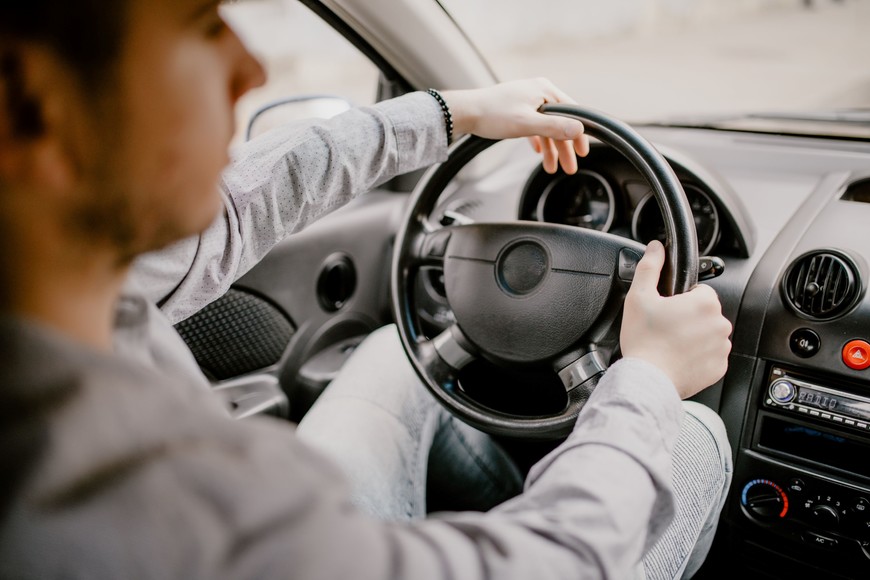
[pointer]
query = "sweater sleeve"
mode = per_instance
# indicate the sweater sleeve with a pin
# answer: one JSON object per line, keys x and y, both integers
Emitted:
{"x": 140, "y": 483}
{"x": 281, "y": 182}
{"x": 594, "y": 505}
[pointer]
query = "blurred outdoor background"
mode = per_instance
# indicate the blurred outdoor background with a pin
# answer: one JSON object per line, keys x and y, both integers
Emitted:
{"x": 636, "y": 59}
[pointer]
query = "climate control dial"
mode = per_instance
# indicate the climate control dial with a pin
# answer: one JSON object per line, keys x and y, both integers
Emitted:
{"x": 825, "y": 511}
{"x": 764, "y": 499}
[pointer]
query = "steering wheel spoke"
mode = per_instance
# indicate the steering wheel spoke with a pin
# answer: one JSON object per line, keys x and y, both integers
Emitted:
{"x": 586, "y": 367}
{"x": 432, "y": 247}
{"x": 453, "y": 348}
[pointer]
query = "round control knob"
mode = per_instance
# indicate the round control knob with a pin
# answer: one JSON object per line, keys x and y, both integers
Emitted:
{"x": 825, "y": 510}
{"x": 764, "y": 499}
{"x": 826, "y": 516}
{"x": 782, "y": 391}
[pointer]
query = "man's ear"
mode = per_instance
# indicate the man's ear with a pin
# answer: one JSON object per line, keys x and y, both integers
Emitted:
{"x": 33, "y": 140}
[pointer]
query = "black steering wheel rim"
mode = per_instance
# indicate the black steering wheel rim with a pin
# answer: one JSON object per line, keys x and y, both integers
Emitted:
{"x": 428, "y": 360}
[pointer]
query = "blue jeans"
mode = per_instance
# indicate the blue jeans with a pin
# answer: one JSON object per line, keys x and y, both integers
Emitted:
{"x": 378, "y": 422}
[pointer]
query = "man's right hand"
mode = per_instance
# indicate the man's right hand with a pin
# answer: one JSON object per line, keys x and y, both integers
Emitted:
{"x": 685, "y": 335}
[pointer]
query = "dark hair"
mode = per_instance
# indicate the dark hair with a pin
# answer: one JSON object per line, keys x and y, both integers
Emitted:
{"x": 86, "y": 33}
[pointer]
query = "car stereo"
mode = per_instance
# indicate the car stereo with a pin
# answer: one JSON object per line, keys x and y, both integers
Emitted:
{"x": 827, "y": 404}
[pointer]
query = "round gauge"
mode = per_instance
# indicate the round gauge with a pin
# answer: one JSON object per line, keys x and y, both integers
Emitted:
{"x": 647, "y": 223}
{"x": 584, "y": 199}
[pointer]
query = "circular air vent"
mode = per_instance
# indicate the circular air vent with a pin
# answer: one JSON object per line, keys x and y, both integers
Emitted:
{"x": 821, "y": 284}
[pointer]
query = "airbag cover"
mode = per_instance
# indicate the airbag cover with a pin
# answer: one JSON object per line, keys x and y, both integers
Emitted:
{"x": 526, "y": 293}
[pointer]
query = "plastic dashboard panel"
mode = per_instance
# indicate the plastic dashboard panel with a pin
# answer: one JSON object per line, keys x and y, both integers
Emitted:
{"x": 811, "y": 473}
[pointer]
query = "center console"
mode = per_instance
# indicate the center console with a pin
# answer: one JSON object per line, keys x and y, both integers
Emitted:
{"x": 804, "y": 478}
{"x": 800, "y": 497}
{"x": 799, "y": 504}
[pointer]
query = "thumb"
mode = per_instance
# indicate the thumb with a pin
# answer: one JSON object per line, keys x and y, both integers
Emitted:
{"x": 649, "y": 269}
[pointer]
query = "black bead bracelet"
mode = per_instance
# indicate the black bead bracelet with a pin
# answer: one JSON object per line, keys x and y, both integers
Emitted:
{"x": 448, "y": 118}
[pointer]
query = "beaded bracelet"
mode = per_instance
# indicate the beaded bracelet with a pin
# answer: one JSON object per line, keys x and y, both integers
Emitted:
{"x": 448, "y": 118}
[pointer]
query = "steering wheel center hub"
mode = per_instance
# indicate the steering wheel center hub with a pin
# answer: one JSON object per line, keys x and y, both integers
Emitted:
{"x": 521, "y": 267}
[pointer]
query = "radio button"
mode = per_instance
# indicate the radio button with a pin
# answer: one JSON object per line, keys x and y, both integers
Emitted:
{"x": 837, "y": 419}
{"x": 804, "y": 342}
{"x": 826, "y": 415}
{"x": 850, "y": 422}
{"x": 856, "y": 354}
{"x": 862, "y": 425}
{"x": 814, "y": 413}
{"x": 782, "y": 391}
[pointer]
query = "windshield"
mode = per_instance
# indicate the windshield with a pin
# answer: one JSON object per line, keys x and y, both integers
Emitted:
{"x": 648, "y": 60}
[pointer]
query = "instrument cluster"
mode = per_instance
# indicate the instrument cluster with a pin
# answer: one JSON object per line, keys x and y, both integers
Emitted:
{"x": 611, "y": 201}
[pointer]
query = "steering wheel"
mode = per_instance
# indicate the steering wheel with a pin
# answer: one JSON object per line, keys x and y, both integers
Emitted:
{"x": 527, "y": 294}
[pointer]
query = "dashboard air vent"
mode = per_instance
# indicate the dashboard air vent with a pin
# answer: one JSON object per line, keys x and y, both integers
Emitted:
{"x": 821, "y": 284}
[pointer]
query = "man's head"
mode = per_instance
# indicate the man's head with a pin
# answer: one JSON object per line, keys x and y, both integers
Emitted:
{"x": 115, "y": 117}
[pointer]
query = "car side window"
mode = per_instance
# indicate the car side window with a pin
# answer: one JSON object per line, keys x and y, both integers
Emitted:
{"x": 305, "y": 60}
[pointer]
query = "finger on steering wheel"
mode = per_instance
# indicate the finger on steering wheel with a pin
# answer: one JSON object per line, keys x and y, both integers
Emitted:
{"x": 567, "y": 157}
{"x": 565, "y": 151}
{"x": 581, "y": 144}
{"x": 551, "y": 155}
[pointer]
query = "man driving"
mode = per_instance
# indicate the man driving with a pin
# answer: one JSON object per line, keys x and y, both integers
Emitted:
{"x": 115, "y": 118}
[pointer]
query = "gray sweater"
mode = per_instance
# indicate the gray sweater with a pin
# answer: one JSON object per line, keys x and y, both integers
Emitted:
{"x": 118, "y": 466}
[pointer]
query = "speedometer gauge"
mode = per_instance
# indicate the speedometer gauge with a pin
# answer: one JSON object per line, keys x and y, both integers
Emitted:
{"x": 584, "y": 199}
{"x": 648, "y": 225}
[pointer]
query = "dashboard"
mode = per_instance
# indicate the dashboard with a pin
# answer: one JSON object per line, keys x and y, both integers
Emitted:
{"x": 788, "y": 216}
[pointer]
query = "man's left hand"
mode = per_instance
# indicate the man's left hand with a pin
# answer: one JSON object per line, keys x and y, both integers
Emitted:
{"x": 510, "y": 110}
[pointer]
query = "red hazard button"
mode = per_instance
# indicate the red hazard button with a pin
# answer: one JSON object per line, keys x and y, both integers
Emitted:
{"x": 856, "y": 354}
